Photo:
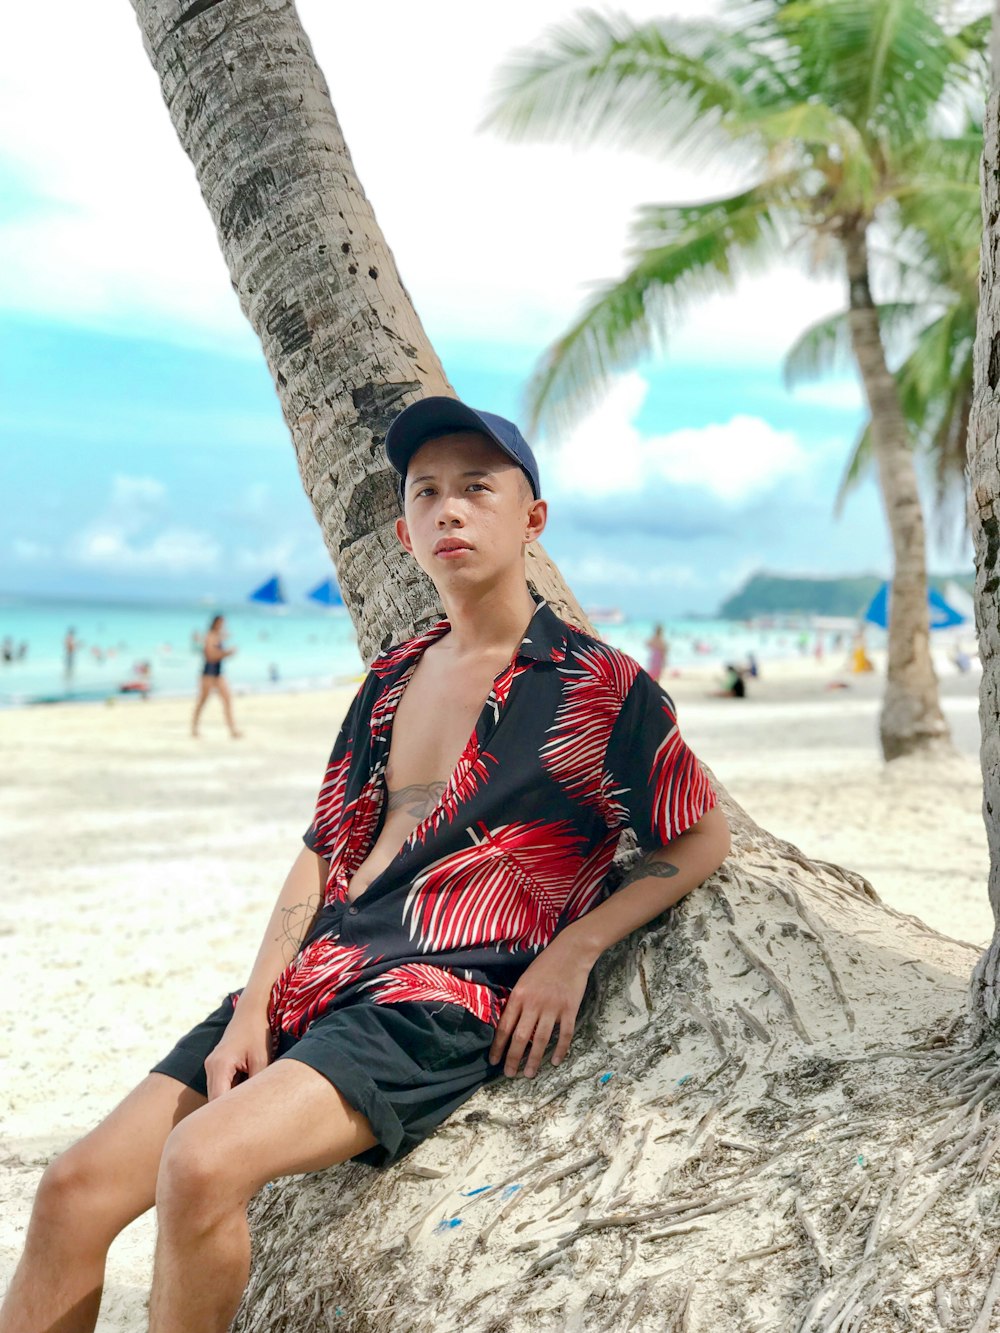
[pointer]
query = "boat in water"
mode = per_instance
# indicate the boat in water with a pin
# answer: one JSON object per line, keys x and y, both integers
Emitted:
{"x": 605, "y": 615}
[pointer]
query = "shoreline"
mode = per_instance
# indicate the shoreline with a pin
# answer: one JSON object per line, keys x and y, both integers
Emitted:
{"x": 299, "y": 685}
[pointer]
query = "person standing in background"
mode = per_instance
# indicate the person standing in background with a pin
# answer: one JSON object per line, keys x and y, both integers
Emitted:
{"x": 215, "y": 651}
{"x": 659, "y": 653}
{"x": 70, "y": 646}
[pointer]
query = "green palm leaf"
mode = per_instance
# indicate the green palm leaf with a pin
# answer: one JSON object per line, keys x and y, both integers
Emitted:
{"x": 858, "y": 464}
{"x": 884, "y": 64}
{"x": 825, "y": 347}
{"x": 678, "y": 254}
{"x": 656, "y": 85}
{"x": 935, "y": 394}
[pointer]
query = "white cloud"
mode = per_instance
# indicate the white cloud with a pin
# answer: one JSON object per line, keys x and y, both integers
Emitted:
{"x": 171, "y": 552}
{"x": 496, "y": 241}
{"x": 607, "y": 571}
{"x": 608, "y": 454}
{"x": 131, "y": 534}
{"x": 840, "y": 394}
{"x": 278, "y": 557}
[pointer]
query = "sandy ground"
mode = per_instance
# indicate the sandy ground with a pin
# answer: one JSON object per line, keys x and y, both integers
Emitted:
{"x": 140, "y": 867}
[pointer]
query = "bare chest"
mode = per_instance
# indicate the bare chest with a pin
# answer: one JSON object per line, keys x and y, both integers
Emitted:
{"x": 434, "y": 720}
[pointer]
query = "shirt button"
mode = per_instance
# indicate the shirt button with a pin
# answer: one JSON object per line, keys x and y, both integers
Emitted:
{"x": 352, "y": 911}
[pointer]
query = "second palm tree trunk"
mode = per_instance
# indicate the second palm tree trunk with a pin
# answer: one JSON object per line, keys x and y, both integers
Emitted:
{"x": 911, "y": 717}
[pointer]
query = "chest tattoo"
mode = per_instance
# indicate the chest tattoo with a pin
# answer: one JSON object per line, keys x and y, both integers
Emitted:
{"x": 417, "y": 800}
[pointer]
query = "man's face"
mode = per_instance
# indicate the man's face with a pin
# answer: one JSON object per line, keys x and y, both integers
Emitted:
{"x": 468, "y": 510}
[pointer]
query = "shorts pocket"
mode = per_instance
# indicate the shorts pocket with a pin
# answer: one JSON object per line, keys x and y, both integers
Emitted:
{"x": 460, "y": 1035}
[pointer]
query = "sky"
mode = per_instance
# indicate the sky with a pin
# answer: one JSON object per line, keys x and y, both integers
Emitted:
{"x": 142, "y": 448}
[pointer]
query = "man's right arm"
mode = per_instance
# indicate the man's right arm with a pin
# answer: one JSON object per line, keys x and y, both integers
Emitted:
{"x": 246, "y": 1046}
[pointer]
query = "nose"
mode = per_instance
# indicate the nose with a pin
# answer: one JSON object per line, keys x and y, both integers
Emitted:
{"x": 450, "y": 512}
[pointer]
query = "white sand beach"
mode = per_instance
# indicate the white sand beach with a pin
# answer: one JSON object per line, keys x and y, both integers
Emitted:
{"x": 140, "y": 867}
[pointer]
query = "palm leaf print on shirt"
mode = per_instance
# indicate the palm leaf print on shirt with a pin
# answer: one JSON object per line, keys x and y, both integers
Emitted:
{"x": 598, "y": 682}
{"x": 330, "y": 802}
{"x": 679, "y": 787}
{"x": 312, "y": 979}
{"x": 509, "y": 888}
{"x": 433, "y": 985}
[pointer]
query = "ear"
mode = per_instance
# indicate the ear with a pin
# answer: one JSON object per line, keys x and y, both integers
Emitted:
{"x": 535, "y": 521}
{"x": 403, "y": 533}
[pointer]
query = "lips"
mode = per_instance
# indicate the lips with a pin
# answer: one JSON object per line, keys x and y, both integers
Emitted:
{"x": 450, "y": 544}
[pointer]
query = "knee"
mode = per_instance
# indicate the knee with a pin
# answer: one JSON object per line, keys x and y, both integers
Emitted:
{"x": 68, "y": 1186}
{"x": 194, "y": 1187}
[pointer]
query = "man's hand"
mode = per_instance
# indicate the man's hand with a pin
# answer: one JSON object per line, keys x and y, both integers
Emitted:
{"x": 244, "y": 1050}
{"x": 548, "y": 993}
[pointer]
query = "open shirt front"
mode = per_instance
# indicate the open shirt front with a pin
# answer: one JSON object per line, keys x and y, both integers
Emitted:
{"x": 575, "y": 743}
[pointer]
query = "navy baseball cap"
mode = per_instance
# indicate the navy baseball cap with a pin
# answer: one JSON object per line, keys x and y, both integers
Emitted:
{"x": 428, "y": 418}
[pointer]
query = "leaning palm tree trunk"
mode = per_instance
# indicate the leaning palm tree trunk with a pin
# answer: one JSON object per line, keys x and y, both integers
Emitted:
{"x": 315, "y": 278}
{"x": 911, "y": 717}
{"x": 984, "y": 523}
{"x": 748, "y": 1133}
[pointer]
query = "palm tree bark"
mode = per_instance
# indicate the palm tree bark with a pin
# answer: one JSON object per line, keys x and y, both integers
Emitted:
{"x": 715, "y": 1041}
{"x": 984, "y": 524}
{"x": 911, "y": 718}
{"x": 316, "y": 280}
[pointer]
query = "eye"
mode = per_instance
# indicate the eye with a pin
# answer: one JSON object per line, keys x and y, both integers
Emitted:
{"x": 424, "y": 490}
{"x": 477, "y": 486}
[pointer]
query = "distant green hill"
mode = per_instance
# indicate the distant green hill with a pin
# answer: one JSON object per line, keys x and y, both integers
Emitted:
{"x": 773, "y": 595}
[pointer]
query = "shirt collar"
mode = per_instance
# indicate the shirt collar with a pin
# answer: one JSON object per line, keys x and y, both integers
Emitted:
{"x": 545, "y": 640}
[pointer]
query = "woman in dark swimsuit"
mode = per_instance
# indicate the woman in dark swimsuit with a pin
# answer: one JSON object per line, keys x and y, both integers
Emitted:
{"x": 211, "y": 676}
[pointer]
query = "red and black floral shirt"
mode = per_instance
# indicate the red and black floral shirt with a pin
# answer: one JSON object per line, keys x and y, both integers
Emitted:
{"x": 575, "y": 743}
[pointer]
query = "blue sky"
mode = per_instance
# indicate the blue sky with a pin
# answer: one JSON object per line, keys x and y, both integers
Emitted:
{"x": 144, "y": 453}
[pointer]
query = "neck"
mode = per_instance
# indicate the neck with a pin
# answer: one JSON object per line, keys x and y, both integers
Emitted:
{"x": 489, "y": 619}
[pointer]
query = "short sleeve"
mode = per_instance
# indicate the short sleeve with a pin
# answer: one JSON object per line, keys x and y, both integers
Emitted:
{"x": 652, "y": 779}
{"x": 321, "y": 834}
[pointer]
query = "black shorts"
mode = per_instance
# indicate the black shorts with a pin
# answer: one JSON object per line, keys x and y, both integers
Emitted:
{"x": 404, "y": 1066}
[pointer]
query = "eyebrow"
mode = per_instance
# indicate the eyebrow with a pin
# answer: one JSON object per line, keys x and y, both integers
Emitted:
{"x": 472, "y": 472}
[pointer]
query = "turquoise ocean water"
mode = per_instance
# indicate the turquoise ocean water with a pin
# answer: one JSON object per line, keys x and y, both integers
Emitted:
{"x": 303, "y": 647}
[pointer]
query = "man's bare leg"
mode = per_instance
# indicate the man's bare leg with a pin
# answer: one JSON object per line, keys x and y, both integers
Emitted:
{"x": 286, "y": 1119}
{"x": 85, "y": 1198}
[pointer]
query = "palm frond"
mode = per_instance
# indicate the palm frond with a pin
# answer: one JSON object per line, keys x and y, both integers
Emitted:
{"x": 861, "y": 459}
{"x": 654, "y": 85}
{"x": 928, "y": 376}
{"x": 677, "y": 254}
{"x": 935, "y": 394}
{"x": 937, "y": 199}
{"x": 825, "y": 346}
{"x": 822, "y": 348}
{"x": 883, "y": 64}
{"x": 975, "y": 35}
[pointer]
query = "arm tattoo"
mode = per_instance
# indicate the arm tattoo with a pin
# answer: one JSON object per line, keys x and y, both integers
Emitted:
{"x": 650, "y": 869}
{"x": 416, "y": 800}
{"x": 295, "y": 922}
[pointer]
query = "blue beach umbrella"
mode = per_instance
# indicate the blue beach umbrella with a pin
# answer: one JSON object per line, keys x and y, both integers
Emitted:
{"x": 942, "y": 616}
{"x": 326, "y": 593}
{"x": 270, "y": 593}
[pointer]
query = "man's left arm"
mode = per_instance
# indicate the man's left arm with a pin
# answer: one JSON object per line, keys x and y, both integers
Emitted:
{"x": 551, "y": 989}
